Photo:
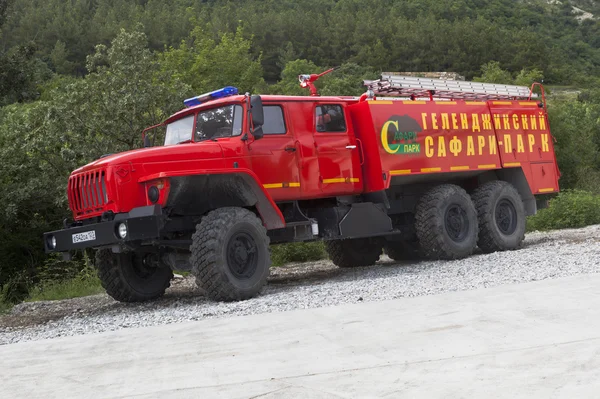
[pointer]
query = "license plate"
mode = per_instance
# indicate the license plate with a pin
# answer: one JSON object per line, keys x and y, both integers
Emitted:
{"x": 85, "y": 236}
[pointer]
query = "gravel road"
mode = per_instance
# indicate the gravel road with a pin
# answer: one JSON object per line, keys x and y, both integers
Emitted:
{"x": 315, "y": 284}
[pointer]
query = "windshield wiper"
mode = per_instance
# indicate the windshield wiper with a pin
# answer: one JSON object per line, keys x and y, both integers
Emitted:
{"x": 185, "y": 141}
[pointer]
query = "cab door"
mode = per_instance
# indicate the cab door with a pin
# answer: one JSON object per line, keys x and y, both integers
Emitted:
{"x": 274, "y": 158}
{"x": 337, "y": 149}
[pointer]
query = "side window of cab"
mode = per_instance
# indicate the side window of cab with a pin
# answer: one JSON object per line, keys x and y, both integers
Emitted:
{"x": 330, "y": 118}
{"x": 274, "y": 120}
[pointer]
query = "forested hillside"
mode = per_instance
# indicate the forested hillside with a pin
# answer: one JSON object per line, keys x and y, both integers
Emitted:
{"x": 81, "y": 78}
{"x": 409, "y": 35}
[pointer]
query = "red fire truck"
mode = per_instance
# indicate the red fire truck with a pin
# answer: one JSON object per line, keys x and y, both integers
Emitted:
{"x": 415, "y": 167}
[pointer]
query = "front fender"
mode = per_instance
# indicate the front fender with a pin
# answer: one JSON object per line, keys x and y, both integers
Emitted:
{"x": 199, "y": 191}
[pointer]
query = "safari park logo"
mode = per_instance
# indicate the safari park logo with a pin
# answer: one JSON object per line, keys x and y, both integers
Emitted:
{"x": 399, "y": 135}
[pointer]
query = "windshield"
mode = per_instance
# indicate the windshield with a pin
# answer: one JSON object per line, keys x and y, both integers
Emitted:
{"x": 219, "y": 122}
{"x": 210, "y": 124}
{"x": 180, "y": 130}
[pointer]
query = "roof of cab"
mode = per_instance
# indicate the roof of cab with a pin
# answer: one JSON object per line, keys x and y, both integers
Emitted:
{"x": 265, "y": 98}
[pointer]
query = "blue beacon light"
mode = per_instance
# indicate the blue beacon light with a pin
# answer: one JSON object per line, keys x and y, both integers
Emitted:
{"x": 213, "y": 95}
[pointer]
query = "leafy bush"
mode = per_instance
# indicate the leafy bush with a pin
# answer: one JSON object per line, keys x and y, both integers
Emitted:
{"x": 297, "y": 252}
{"x": 55, "y": 278}
{"x": 15, "y": 289}
{"x": 570, "y": 209}
{"x": 56, "y": 269}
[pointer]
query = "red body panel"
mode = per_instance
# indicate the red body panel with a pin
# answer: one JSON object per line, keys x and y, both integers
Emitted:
{"x": 383, "y": 141}
{"x": 422, "y": 137}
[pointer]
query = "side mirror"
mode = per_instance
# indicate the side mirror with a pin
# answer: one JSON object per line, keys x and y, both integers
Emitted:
{"x": 256, "y": 109}
{"x": 147, "y": 142}
{"x": 258, "y": 132}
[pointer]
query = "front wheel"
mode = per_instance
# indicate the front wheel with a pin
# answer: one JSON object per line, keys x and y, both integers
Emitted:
{"x": 230, "y": 254}
{"x": 131, "y": 276}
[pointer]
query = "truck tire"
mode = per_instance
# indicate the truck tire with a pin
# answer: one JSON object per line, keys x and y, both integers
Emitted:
{"x": 127, "y": 278}
{"x": 501, "y": 215}
{"x": 230, "y": 254}
{"x": 354, "y": 252}
{"x": 403, "y": 250}
{"x": 446, "y": 223}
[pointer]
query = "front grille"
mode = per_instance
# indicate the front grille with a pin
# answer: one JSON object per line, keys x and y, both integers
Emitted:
{"x": 87, "y": 192}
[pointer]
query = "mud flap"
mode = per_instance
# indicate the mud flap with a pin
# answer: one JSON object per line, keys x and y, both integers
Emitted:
{"x": 364, "y": 220}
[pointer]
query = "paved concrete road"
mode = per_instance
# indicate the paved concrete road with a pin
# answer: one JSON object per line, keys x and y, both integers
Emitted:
{"x": 529, "y": 340}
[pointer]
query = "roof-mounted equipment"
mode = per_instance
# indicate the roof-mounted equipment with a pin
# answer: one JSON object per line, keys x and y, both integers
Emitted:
{"x": 213, "y": 95}
{"x": 413, "y": 87}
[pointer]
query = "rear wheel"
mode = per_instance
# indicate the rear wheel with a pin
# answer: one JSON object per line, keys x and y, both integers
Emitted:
{"x": 501, "y": 216}
{"x": 230, "y": 254}
{"x": 354, "y": 252}
{"x": 446, "y": 223}
{"x": 132, "y": 276}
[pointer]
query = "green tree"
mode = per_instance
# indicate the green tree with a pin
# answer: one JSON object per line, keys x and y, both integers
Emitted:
{"x": 347, "y": 80}
{"x": 526, "y": 77}
{"x": 74, "y": 123}
{"x": 3, "y": 12}
{"x": 125, "y": 91}
{"x": 493, "y": 73}
{"x": 21, "y": 72}
{"x": 576, "y": 127}
{"x": 59, "y": 57}
{"x": 208, "y": 64}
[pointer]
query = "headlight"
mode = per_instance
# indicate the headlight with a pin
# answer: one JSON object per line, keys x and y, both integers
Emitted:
{"x": 153, "y": 194}
{"x": 51, "y": 242}
{"x": 122, "y": 230}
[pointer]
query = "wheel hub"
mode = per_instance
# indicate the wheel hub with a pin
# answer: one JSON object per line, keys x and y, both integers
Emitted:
{"x": 506, "y": 217}
{"x": 456, "y": 223}
{"x": 242, "y": 255}
{"x": 144, "y": 265}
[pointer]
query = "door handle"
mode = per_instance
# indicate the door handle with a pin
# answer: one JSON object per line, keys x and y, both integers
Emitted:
{"x": 351, "y": 147}
{"x": 290, "y": 149}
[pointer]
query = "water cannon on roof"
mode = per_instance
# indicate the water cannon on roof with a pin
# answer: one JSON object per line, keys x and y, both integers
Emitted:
{"x": 308, "y": 80}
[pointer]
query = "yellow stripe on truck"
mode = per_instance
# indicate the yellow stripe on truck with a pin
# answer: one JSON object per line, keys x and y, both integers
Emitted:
{"x": 341, "y": 180}
{"x": 281, "y": 185}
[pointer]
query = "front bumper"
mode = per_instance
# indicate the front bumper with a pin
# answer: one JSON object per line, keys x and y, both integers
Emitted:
{"x": 143, "y": 224}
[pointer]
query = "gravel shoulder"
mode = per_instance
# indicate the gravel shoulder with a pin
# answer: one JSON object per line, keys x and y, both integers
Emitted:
{"x": 315, "y": 284}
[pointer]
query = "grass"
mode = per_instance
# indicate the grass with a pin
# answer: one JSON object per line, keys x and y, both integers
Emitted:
{"x": 74, "y": 288}
{"x": 5, "y": 307}
{"x": 297, "y": 252}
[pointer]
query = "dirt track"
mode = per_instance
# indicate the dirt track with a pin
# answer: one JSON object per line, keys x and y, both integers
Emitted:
{"x": 315, "y": 284}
